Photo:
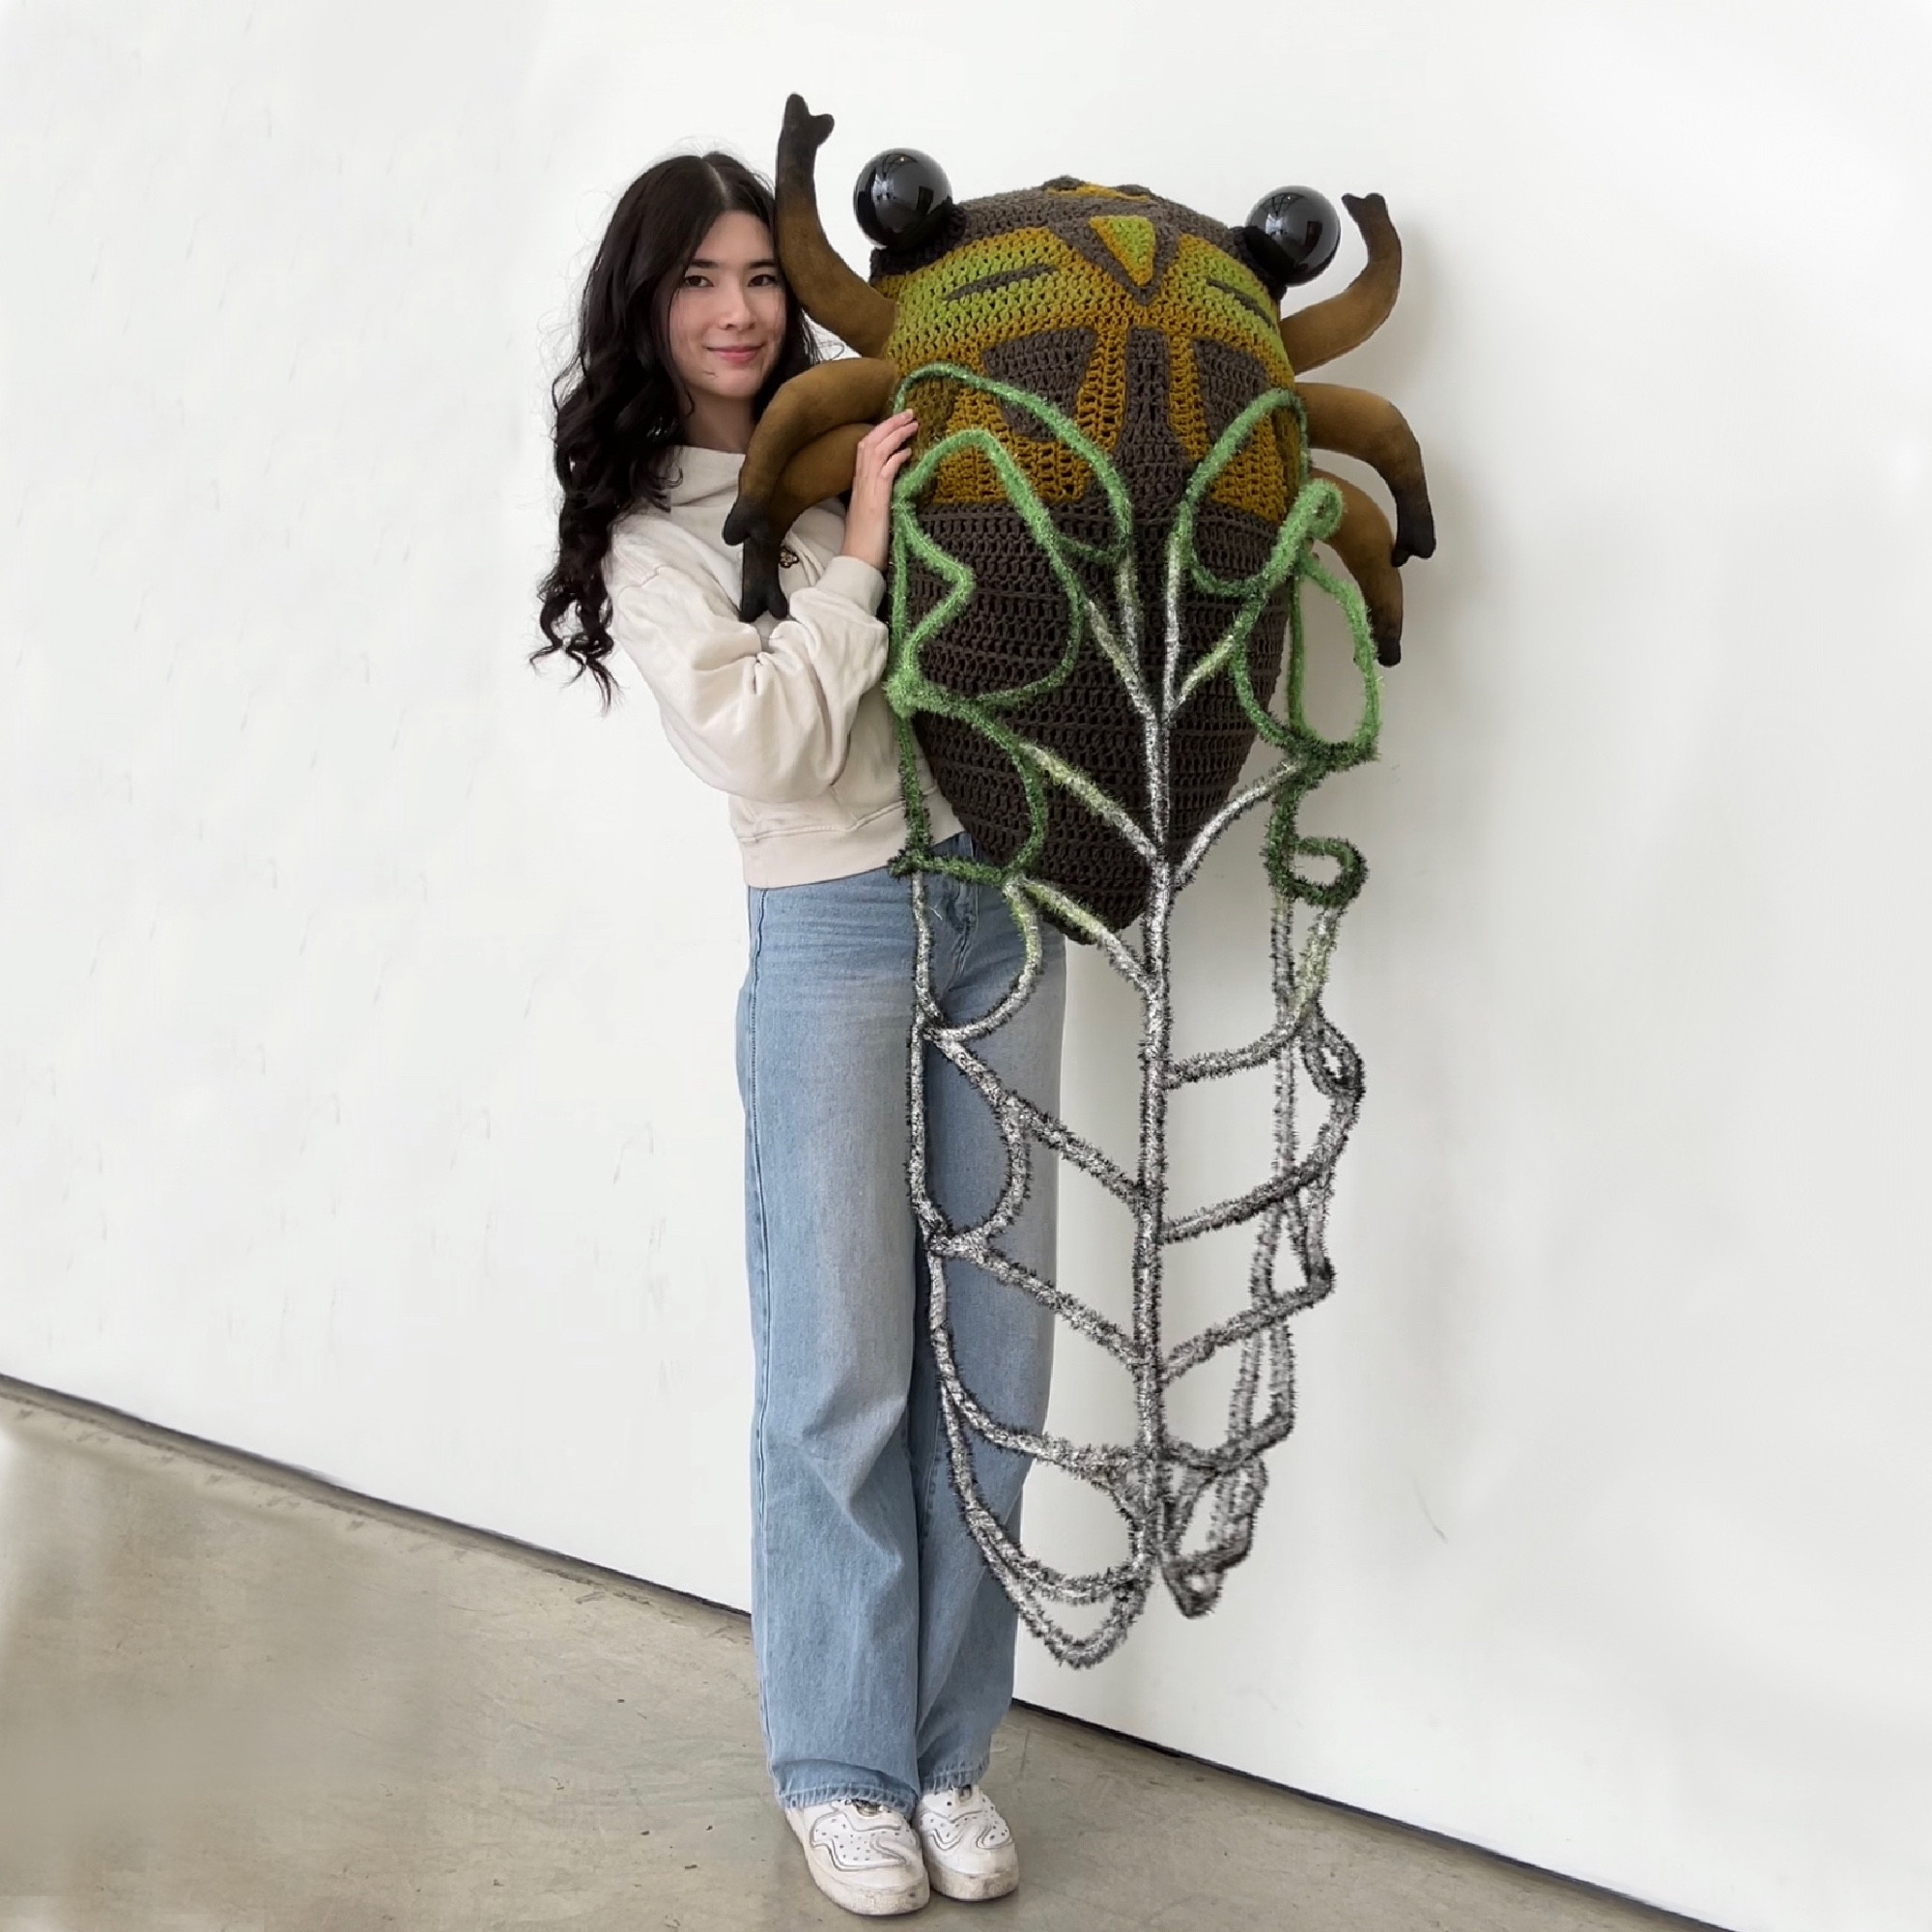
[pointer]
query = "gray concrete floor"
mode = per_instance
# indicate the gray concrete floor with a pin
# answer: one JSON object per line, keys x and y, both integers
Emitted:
{"x": 235, "y": 1700}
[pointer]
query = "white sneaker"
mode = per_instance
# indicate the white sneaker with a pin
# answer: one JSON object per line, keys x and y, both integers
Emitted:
{"x": 863, "y": 1857}
{"x": 969, "y": 1850}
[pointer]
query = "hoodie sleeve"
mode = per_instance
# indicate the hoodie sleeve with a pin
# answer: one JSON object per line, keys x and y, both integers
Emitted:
{"x": 766, "y": 717}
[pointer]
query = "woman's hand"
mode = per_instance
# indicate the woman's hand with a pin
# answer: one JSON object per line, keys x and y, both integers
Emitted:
{"x": 882, "y": 454}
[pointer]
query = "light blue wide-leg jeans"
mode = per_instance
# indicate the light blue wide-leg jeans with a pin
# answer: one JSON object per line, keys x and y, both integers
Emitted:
{"x": 884, "y": 1646}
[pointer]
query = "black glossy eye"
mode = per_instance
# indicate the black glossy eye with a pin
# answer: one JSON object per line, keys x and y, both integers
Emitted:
{"x": 1293, "y": 234}
{"x": 901, "y": 197}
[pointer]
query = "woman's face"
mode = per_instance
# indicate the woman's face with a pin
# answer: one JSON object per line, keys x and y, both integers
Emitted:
{"x": 726, "y": 323}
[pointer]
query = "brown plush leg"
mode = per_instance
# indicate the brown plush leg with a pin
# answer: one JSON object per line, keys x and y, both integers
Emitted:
{"x": 1313, "y": 336}
{"x": 824, "y": 397}
{"x": 832, "y": 295}
{"x": 1363, "y": 541}
{"x": 820, "y": 469}
{"x": 1361, "y": 424}
{"x": 856, "y": 388}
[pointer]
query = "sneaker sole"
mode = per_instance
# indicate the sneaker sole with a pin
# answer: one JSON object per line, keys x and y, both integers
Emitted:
{"x": 865, "y": 1902}
{"x": 961, "y": 1885}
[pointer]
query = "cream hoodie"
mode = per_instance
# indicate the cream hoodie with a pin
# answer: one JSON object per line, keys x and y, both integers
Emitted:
{"x": 787, "y": 717}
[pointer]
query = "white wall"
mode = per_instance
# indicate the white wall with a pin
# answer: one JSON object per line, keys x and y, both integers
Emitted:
{"x": 365, "y": 1039}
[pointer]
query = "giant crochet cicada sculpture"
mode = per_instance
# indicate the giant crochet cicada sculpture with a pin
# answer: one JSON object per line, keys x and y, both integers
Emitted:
{"x": 1099, "y": 547}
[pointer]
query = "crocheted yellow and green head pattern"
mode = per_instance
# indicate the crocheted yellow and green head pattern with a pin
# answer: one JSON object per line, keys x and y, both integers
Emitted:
{"x": 1112, "y": 439}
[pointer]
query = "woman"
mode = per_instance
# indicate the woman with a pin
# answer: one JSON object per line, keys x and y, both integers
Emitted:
{"x": 885, "y": 1647}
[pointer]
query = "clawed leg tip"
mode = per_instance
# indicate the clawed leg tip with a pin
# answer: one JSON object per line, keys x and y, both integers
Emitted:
{"x": 801, "y": 120}
{"x": 1414, "y": 536}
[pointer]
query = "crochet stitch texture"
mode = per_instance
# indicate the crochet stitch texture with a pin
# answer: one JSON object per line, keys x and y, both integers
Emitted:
{"x": 1140, "y": 322}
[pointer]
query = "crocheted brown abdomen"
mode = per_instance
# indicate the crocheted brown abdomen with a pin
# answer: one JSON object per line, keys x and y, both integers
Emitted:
{"x": 1014, "y": 629}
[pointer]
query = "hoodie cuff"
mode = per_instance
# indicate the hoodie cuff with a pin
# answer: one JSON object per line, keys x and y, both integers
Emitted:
{"x": 856, "y": 580}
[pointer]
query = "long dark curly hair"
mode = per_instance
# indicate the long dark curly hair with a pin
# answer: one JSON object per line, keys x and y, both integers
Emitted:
{"x": 617, "y": 400}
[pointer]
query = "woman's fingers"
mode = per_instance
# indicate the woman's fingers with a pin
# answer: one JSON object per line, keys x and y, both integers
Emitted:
{"x": 896, "y": 435}
{"x": 889, "y": 435}
{"x": 882, "y": 454}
